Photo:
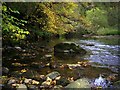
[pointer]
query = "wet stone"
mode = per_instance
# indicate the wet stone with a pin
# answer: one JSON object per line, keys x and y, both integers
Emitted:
{"x": 53, "y": 75}
{"x": 16, "y": 74}
{"x": 48, "y": 56}
{"x": 35, "y": 82}
{"x": 62, "y": 81}
{"x": 18, "y": 48}
{"x": 31, "y": 74}
{"x": 114, "y": 69}
{"x": 80, "y": 83}
{"x": 27, "y": 81}
{"x": 58, "y": 87}
{"x": 5, "y": 70}
{"x": 68, "y": 47}
{"x": 11, "y": 81}
{"x": 32, "y": 87}
{"x": 21, "y": 86}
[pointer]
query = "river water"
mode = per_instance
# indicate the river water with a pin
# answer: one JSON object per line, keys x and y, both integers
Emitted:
{"x": 103, "y": 50}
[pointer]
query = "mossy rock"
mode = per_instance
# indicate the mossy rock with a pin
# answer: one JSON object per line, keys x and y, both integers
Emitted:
{"x": 62, "y": 81}
{"x": 69, "y": 47}
{"x": 80, "y": 83}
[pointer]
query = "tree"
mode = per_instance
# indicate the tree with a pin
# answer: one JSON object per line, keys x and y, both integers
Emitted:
{"x": 12, "y": 28}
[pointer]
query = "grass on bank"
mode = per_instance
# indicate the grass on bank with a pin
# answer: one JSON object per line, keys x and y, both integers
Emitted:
{"x": 108, "y": 31}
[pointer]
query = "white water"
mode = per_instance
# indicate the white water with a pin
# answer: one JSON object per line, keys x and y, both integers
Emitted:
{"x": 100, "y": 52}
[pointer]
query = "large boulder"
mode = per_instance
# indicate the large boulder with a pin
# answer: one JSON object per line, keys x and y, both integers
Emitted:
{"x": 68, "y": 47}
{"x": 80, "y": 83}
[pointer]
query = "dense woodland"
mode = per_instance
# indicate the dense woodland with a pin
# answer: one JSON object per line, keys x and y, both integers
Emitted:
{"x": 42, "y": 20}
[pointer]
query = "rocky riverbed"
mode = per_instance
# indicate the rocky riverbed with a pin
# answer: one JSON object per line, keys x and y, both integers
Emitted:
{"x": 35, "y": 66}
{"x": 79, "y": 75}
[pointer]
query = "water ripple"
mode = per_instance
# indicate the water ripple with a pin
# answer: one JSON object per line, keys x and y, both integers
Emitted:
{"x": 100, "y": 52}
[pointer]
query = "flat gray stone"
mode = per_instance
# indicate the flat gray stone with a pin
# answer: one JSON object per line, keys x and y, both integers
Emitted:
{"x": 53, "y": 75}
{"x": 80, "y": 83}
{"x": 21, "y": 87}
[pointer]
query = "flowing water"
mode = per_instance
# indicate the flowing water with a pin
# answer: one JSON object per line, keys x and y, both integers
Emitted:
{"x": 101, "y": 52}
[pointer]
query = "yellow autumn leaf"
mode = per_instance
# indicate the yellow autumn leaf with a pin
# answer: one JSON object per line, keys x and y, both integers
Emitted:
{"x": 23, "y": 70}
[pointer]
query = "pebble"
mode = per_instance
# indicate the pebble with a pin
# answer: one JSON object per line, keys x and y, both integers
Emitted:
{"x": 32, "y": 87}
{"x": 46, "y": 83}
{"x": 11, "y": 81}
{"x": 35, "y": 82}
{"x": 48, "y": 56}
{"x": 18, "y": 48}
{"x": 27, "y": 81}
{"x": 58, "y": 86}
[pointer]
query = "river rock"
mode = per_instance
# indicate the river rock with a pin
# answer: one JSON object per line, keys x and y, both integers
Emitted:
{"x": 11, "y": 81}
{"x": 58, "y": 87}
{"x": 37, "y": 65}
{"x": 53, "y": 75}
{"x": 72, "y": 66}
{"x": 112, "y": 77}
{"x": 46, "y": 83}
{"x": 18, "y": 48}
{"x": 16, "y": 74}
{"x": 21, "y": 86}
{"x": 32, "y": 87}
{"x": 114, "y": 69}
{"x": 116, "y": 84}
{"x": 31, "y": 74}
{"x": 68, "y": 47}
{"x": 27, "y": 81}
{"x": 35, "y": 82}
{"x": 80, "y": 83}
{"x": 90, "y": 44}
{"x": 62, "y": 81}
{"x": 5, "y": 70}
{"x": 48, "y": 56}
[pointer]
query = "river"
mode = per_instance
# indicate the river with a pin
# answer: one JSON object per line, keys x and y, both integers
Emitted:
{"x": 103, "y": 51}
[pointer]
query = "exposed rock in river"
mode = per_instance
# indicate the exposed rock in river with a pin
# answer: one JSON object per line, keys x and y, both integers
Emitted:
{"x": 21, "y": 86}
{"x": 80, "y": 83}
{"x": 53, "y": 75}
{"x": 68, "y": 49}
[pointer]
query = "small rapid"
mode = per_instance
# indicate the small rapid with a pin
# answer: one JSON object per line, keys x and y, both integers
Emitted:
{"x": 100, "y": 52}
